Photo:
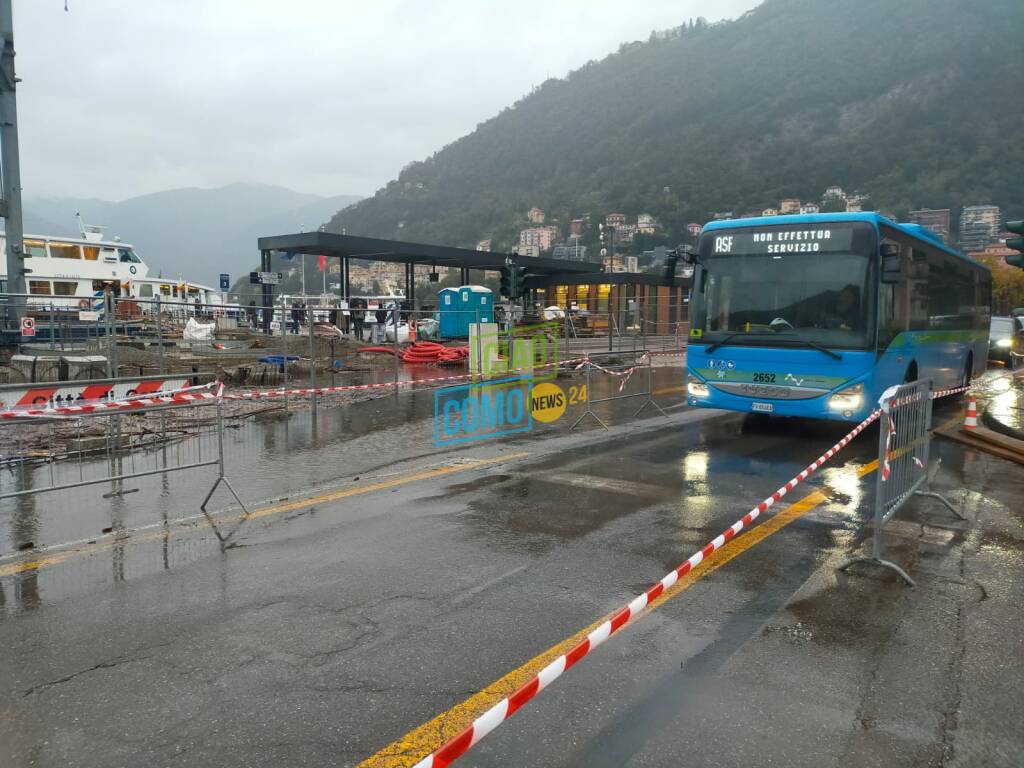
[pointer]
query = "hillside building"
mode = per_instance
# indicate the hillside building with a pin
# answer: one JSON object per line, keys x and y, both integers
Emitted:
{"x": 570, "y": 251}
{"x": 789, "y": 205}
{"x": 615, "y": 220}
{"x": 483, "y": 245}
{"x": 770, "y": 212}
{"x": 935, "y": 219}
{"x": 806, "y": 208}
{"x": 541, "y": 237}
{"x": 532, "y": 251}
{"x": 535, "y": 215}
{"x": 979, "y": 226}
{"x": 646, "y": 224}
{"x": 576, "y": 227}
{"x": 625, "y": 233}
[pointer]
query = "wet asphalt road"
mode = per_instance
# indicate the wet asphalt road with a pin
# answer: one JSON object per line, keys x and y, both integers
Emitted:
{"x": 326, "y": 634}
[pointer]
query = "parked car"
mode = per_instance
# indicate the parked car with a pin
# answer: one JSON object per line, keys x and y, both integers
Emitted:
{"x": 1006, "y": 340}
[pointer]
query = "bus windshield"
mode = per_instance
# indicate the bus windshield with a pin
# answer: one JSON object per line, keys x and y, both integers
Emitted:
{"x": 780, "y": 284}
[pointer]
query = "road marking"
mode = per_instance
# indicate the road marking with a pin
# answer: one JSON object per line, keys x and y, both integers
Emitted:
{"x": 49, "y": 560}
{"x": 614, "y": 485}
{"x": 669, "y": 390}
{"x": 472, "y": 592}
{"x": 418, "y": 743}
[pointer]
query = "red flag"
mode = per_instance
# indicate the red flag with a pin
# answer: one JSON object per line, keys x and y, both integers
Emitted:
{"x": 322, "y": 263}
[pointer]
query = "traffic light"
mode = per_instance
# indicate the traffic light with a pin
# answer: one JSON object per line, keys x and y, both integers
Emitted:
{"x": 508, "y": 277}
{"x": 513, "y": 281}
{"x": 519, "y": 284}
{"x": 1016, "y": 243}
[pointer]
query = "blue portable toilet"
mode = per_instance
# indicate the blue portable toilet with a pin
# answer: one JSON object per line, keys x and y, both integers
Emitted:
{"x": 448, "y": 314}
{"x": 473, "y": 299}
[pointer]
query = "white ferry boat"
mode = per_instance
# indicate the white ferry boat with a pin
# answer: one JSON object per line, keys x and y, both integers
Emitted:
{"x": 71, "y": 273}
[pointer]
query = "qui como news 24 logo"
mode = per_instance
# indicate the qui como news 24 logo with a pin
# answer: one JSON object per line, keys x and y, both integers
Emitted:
{"x": 510, "y": 403}
{"x": 470, "y": 412}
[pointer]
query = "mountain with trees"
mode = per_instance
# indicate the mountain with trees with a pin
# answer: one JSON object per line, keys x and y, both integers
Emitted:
{"x": 914, "y": 103}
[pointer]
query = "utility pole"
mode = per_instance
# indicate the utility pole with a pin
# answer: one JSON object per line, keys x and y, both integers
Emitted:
{"x": 10, "y": 189}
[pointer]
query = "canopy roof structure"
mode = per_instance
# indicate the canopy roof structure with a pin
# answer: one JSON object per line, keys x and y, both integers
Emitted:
{"x": 333, "y": 245}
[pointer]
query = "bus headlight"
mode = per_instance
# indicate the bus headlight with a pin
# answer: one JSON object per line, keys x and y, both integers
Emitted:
{"x": 1004, "y": 343}
{"x": 695, "y": 387}
{"x": 848, "y": 400}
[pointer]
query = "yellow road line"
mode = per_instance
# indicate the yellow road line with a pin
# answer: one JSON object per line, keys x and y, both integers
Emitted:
{"x": 51, "y": 559}
{"x": 669, "y": 390}
{"x": 418, "y": 743}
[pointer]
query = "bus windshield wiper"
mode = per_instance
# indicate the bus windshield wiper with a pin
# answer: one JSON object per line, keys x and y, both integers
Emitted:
{"x": 787, "y": 337}
{"x": 814, "y": 345}
{"x": 732, "y": 336}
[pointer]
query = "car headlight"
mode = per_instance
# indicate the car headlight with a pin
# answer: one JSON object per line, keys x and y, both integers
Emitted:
{"x": 695, "y": 387}
{"x": 848, "y": 400}
{"x": 1004, "y": 343}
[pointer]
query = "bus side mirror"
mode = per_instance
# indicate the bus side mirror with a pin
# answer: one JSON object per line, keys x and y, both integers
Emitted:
{"x": 688, "y": 254}
{"x": 891, "y": 271}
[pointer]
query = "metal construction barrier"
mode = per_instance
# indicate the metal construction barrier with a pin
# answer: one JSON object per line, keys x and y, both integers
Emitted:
{"x": 904, "y": 471}
{"x": 110, "y": 442}
{"x": 624, "y": 373}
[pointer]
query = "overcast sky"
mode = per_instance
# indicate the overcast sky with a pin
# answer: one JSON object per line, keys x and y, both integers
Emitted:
{"x": 121, "y": 97}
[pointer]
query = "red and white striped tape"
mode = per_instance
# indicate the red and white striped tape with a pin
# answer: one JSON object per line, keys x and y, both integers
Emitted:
{"x": 269, "y": 393}
{"x": 625, "y": 375}
{"x": 505, "y": 708}
{"x": 886, "y": 402}
{"x": 206, "y": 392}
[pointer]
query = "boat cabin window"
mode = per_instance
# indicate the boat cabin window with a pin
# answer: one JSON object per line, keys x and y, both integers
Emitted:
{"x": 39, "y": 287}
{"x": 64, "y": 251}
{"x": 61, "y": 288}
{"x": 91, "y": 252}
{"x": 35, "y": 248}
{"x": 109, "y": 254}
{"x": 145, "y": 291}
{"x": 165, "y": 290}
{"x": 127, "y": 256}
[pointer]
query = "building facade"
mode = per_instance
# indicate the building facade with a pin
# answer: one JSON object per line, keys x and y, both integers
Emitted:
{"x": 535, "y": 215}
{"x": 646, "y": 224}
{"x": 935, "y": 219}
{"x": 789, "y": 205}
{"x": 540, "y": 237}
{"x": 979, "y": 226}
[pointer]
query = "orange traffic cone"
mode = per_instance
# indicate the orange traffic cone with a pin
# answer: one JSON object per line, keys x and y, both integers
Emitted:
{"x": 971, "y": 420}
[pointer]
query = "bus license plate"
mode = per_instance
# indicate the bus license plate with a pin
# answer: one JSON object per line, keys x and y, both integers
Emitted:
{"x": 762, "y": 407}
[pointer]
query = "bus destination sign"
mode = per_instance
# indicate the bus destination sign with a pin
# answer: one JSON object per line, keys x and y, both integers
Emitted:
{"x": 777, "y": 240}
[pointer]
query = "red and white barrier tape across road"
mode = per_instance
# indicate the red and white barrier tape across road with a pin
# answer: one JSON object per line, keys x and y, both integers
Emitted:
{"x": 268, "y": 393}
{"x": 211, "y": 391}
{"x": 505, "y": 708}
{"x": 643, "y": 360}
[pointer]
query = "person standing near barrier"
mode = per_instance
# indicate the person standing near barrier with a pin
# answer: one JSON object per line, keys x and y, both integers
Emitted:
{"x": 295, "y": 317}
{"x": 379, "y": 330}
{"x": 358, "y": 317}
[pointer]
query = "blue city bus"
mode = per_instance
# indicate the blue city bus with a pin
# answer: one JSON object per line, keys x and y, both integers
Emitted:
{"x": 817, "y": 315}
